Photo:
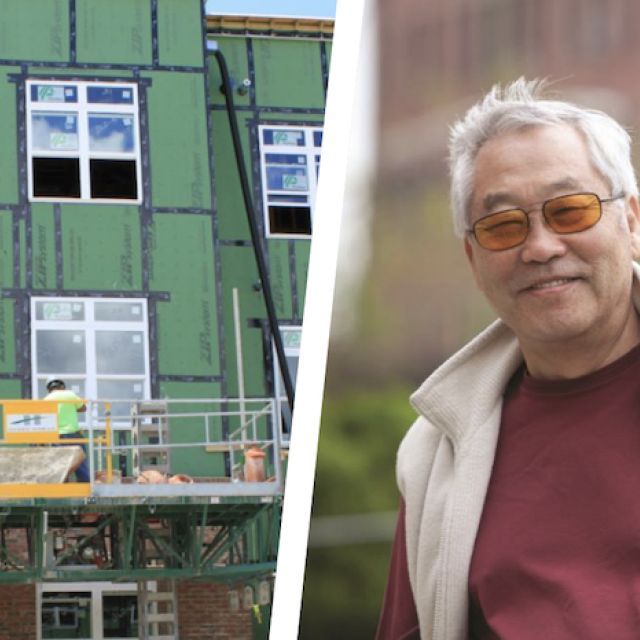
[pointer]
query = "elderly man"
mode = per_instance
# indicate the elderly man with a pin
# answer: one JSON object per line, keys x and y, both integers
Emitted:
{"x": 520, "y": 517}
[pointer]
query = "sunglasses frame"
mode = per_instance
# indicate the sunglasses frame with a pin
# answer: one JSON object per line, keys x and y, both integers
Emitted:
{"x": 601, "y": 201}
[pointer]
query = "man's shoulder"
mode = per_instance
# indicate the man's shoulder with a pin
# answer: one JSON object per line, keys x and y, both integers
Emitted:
{"x": 457, "y": 398}
{"x": 62, "y": 394}
{"x": 417, "y": 450}
{"x": 463, "y": 391}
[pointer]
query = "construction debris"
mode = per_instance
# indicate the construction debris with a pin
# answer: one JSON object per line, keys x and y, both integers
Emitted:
{"x": 34, "y": 465}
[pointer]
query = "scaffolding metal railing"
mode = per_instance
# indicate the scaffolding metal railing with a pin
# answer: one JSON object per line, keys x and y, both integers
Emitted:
{"x": 180, "y": 429}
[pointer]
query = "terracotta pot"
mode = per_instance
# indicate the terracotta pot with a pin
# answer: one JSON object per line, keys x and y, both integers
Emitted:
{"x": 254, "y": 465}
{"x": 151, "y": 476}
{"x": 180, "y": 478}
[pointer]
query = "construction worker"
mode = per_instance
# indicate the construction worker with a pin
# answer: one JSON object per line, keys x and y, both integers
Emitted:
{"x": 69, "y": 405}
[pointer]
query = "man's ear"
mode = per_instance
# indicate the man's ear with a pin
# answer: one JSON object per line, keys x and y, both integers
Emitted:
{"x": 468, "y": 249}
{"x": 633, "y": 219}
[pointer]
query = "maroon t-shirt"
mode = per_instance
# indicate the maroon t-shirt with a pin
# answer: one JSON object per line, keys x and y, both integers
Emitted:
{"x": 399, "y": 618}
{"x": 557, "y": 554}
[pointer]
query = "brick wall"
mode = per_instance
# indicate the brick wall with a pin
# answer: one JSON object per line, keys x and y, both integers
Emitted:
{"x": 204, "y": 613}
{"x": 17, "y": 612}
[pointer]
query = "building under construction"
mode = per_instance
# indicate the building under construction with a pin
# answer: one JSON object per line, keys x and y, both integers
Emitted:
{"x": 159, "y": 168}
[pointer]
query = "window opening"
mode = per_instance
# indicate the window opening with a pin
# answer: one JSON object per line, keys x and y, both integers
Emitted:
{"x": 99, "y": 346}
{"x": 290, "y": 161}
{"x": 88, "y": 610}
{"x": 66, "y": 615}
{"x": 120, "y": 615}
{"x": 83, "y": 141}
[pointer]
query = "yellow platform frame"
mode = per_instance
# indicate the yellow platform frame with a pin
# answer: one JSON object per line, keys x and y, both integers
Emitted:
{"x": 16, "y": 491}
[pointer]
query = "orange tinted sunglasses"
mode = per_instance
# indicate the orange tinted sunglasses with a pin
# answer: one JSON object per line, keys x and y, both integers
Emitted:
{"x": 564, "y": 214}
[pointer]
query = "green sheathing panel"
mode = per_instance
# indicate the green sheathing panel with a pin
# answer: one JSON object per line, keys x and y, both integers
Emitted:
{"x": 34, "y": 30}
{"x": 43, "y": 246}
{"x": 180, "y": 32}
{"x": 182, "y": 264}
{"x": 288, "y": 73}
{"x": 6, "y": 249}
{"x": 9, "y": 390}
{"x": 239, "y": 271}
{"x": 178, "y": 140}
{"x": 232, "y": 217}
{"x": 8, "y": 150}
{"x": 7, "y": 342}
{"x": 235, "y": 55}
{"x": 101, "y": 247}
{"x": 191, "y": 460}
{"x": 279, "y": 275}
{"x": 302, "y": 249}
{"x": 115, "y": 32}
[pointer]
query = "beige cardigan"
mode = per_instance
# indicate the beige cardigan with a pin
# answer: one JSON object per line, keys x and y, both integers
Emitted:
{"x": 444, "y": 466}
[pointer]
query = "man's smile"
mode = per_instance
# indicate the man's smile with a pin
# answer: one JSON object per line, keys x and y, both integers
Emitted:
{"x": 551, "y": 283}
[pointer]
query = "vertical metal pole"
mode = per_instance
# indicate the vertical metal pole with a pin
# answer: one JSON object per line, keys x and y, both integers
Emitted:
{"x": 90, "y": 409}
{"x": 199, "y": 540}
{"x": 128, "y": 557}
{"x": 109, "y": 438}
{"x": 40, "y": 537}
{"x": 239, "y": 363}
{"x": 276, "y": 445}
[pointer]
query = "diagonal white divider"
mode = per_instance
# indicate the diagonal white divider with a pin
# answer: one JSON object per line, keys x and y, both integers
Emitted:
{"x": 343, "y": 83}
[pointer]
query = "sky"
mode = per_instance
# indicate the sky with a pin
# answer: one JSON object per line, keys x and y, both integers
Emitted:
{"x": 274, "y": 8}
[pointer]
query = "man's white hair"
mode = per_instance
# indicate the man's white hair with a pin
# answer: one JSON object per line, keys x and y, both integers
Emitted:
{"x": 519, "y": 105}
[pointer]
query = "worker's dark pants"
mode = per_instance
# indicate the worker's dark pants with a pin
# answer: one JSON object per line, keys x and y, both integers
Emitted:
{"x": 82, "y": 472}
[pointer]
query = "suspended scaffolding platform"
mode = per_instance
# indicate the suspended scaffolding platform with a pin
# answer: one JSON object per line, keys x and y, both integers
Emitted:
{"x": 177, "y": 451}
{"x": 138, "y": 542}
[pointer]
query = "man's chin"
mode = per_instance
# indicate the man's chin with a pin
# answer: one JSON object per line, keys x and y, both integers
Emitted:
{"x": 562, "y": 329}
{"x": 552, "y": 322}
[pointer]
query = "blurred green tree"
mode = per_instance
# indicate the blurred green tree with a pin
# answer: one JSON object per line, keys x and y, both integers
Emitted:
{"x": 344, "y": 583}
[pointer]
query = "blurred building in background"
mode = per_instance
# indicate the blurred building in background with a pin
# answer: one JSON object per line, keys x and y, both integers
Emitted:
{"x": 417, "y": 302}
{"x": 438, "y": 58}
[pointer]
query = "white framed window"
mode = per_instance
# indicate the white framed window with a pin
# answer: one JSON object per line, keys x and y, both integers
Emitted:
{"x": 87, "y": 610}
{"x": 289, "y": 162}
{"x": 98, "y": 346}
{"x": 291, "y": 337}
{"x": 83, "y": 141}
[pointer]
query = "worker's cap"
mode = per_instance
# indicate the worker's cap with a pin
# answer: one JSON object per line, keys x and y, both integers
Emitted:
{"x": 53, "y": 381}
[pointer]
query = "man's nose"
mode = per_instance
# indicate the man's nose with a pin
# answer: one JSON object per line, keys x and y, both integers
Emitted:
{"x": 542, "y": 243}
